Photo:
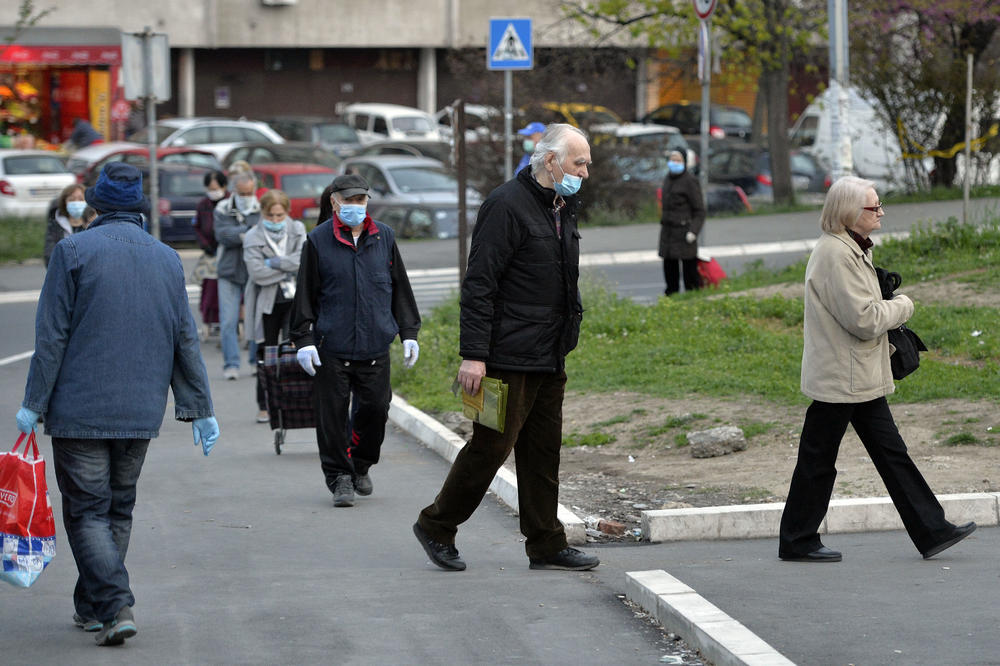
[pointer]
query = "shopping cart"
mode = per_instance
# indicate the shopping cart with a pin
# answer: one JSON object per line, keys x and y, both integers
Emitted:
{"x": 288, "y": 390}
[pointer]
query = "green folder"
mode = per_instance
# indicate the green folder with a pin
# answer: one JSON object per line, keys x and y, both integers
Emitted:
{"x": 488, "y": 406}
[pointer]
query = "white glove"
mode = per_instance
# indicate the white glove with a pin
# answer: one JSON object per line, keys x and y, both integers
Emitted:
{"x": 411, "y": 350}
{"x": 690, "y": 237}
{"x": 308, "y": 358}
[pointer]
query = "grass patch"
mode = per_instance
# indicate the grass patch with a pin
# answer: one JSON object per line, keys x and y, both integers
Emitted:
{"x": 751, "y": 430}
{"x": 751, "y": 494}
{"x": 21, "y": 238}
{"x": 588, "y": 439}
{"x": 621, "y": 418}
{"x": 680, "y": 440}
{"x": 961, "y": 439}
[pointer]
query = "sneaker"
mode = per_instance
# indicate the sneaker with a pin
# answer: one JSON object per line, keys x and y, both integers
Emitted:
{"x": 86, "y": 623}
{"x": 231, "y": 373}
{"x": 343, "y": 491}
{"x": 262, "y": 416}
{"x": 567, "y": 559}
{"x": 120, "y": 628}
{"x": 363, "y": 484}
{"x": 445, "y": 555}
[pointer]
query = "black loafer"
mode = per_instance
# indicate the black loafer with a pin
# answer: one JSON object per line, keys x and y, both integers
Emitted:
{"x": 444, "y": 555}
{"x": 567, "y": 559}
{"x": 822, "y": 554}
{"x": 960, "y": 533}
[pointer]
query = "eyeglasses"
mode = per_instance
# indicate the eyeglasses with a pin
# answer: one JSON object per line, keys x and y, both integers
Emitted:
{"x": 874, "y": 209}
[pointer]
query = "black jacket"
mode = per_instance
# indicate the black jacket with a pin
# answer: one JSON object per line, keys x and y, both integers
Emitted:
{"x": 683, "y": 211}
{"x": 521, "y": 306}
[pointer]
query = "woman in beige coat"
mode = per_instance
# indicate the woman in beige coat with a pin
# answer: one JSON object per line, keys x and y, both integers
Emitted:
{"x": 845, "y": 370}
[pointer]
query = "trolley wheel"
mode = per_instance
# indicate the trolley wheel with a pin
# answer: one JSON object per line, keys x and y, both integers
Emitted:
{"x": 279, "y": 439}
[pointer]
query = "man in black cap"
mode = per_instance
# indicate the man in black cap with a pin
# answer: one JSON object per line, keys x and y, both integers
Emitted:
{"x": 103, "y": 395}
{"x": 353, "y": 297}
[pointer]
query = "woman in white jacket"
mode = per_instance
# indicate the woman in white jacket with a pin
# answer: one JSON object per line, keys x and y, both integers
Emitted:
{"x": 846, "y": 371}
{"x": 271, "y": 251}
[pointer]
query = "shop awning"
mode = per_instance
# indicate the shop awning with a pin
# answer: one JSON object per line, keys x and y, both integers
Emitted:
{"x": 62, "y": 46}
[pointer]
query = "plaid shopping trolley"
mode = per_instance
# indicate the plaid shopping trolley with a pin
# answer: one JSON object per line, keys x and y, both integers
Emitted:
{"x": 288, "y": 390}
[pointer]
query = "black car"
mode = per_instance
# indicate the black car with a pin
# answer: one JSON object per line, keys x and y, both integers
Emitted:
{"x": 181, "y": 187}
{"x": 330, "y": 133}
{"x": 642, "y": 175}
{"x": 749, "y": 167}
{"x": 297, "y": 151}
{"x": 724, "y": 122}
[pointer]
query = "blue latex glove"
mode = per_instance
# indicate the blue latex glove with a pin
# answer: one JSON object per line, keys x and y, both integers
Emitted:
{"x": 206, "y": 431}
{"x": 308, "y": 358}
{"x": 411, "y": 351}
{"x": 272, "y": 262}
{"x": 27, "y": 419}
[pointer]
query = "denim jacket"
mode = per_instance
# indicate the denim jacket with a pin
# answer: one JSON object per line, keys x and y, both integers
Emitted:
{"x": 113, "y": 331}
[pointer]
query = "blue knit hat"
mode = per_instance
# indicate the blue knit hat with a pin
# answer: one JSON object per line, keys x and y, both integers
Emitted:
{"x": 118, "y": 188}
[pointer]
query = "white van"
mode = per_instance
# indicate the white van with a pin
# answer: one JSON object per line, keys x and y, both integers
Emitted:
{"x": 380, "y": 122}
{"x": 874, "y": 145}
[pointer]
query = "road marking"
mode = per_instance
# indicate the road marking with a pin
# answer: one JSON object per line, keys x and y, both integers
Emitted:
{"x": 16, "y": 357}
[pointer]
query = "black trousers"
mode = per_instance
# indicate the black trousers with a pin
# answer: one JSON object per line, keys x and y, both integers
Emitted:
{"x": 671, "y": 273}
{"x": 274, "y": 324}
{"x": 815, "y": 471}
{"x": 534, "y": 432}
{"x": 344, "y": 449}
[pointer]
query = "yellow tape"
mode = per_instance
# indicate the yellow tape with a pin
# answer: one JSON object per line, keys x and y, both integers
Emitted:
{"x": 975, "y": 145}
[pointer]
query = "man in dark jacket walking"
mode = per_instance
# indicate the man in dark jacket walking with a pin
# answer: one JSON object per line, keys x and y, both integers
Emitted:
{"x": 680, "y": 223}
{"x": 521, "y": 313}
{"x": 351, "y": 300}
{"x": 103, "y": 393}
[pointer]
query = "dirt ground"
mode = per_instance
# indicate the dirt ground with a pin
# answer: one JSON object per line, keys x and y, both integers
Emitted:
{"x": 644, "y": 462}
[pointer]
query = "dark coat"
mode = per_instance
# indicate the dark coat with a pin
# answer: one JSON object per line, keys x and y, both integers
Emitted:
{"x": 683, "y": 211}
{"x": 521, "y": 306}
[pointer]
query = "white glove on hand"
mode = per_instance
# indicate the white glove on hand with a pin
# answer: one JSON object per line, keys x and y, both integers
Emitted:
{"x": 690, "y": 237}
{"x": 411, "y": 350}
{"x": 308, "y": 358}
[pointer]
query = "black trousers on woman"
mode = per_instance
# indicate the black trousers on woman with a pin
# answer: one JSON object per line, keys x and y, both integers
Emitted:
{"x": 672, "y": 275}
{"x": 815, "y": 471}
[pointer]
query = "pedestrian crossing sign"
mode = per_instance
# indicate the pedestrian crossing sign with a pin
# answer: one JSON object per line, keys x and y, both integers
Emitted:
{"x": 510, "y": 44}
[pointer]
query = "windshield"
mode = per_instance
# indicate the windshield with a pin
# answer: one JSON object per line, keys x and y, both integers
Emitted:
{"x": 337, "y": 133}
{"x": 305, "y": 185}
{"x": 423, "y": 179}
{"x": 414, "y": 124}
{"x": 732, "y": 118}
{"x": 33, "y": 164}
{"x": 162, "y": 132}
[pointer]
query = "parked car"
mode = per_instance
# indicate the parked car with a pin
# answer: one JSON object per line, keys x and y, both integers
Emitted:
{"x": 80, "y": 160}
{"x": 140, "y": 155}
{"x": 29, "y": 180}
{"x": 291, "y": 151}
{"x": 643, "y": 175}
{"x": 181, "y": 187}
{"x": 333, "y": 135}
{"x": 482, "y": 123}
{"x": 218, "y": 135}
{"x": 723, "y": 121}
{"x": 438, "y": 150}
{"x": 575, "y": 113}
{"x": 303, "y": 183}
{"x": 391, "y": 121}
{"x": 644, "y": 139}
{"x": 418, "y": 194}
{"x": 749, "y": 166}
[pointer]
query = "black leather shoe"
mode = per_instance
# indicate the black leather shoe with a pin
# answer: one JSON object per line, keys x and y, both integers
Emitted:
{"x": 960, "y": 533}
{"x": 444, "y": 555}
{"x": 567, "y": 559}
{"x": 363, "y": 484}
{"x": 822, "y": 554}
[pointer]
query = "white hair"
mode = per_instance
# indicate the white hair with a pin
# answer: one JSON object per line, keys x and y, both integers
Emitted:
{"x": 843, "y": 204}
{"x": 555, "y": 140}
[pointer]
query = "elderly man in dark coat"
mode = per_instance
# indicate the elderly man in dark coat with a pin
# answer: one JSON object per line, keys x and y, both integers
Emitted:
{"x": 680, "y": 223}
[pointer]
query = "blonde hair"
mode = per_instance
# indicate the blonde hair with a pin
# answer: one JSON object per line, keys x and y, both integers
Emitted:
{"x": 272, "y": 197}
{"x": 844, "y": 202}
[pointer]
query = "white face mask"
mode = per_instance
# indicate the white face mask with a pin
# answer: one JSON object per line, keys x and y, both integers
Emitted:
{"x": 215, "y": 195}
{"x": 245, "y": 202}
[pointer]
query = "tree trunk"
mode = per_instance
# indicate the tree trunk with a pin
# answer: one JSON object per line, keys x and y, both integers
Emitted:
{"x": 777, "y": 134}
{"x": 759, "y": 111}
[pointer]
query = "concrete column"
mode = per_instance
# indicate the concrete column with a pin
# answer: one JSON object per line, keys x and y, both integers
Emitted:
{"x": 427, "y": 81}
{"x": 185, "y": 83}
{"x": 641, "y": 86}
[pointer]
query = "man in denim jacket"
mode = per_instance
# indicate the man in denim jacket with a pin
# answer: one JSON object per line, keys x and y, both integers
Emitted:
{"x": 102, "y": 393}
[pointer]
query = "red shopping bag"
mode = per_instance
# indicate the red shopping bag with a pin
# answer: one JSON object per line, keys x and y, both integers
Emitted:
{"x": 711, "y": 272}
{"x": 27, "y": 530}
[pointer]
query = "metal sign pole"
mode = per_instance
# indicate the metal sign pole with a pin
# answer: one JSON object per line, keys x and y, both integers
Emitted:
{"x": 706, "y": 101}
{"x": 461, "y": 171}
{"x": 508, "y": 124}
{"x": 154, "y": 185}
{"x": 968, "y": 140}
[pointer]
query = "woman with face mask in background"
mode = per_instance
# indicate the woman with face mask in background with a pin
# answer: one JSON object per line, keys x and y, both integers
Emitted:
{"x": 680, "y": 223}
{"x": 66, "y": 217}
{"x": 205, "y": 270}
{"x": 271, "y": 251}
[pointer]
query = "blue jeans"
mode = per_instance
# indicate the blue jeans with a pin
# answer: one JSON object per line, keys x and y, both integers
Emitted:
{"x": 97, "y": 479}
{"x": 230, "y": 296}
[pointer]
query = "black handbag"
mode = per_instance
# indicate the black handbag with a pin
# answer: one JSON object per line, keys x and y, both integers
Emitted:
{"x": 908, "y": 344}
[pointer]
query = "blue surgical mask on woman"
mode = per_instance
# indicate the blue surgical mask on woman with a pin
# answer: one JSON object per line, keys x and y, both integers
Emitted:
{"x": 352, "y": 214}
{"x": 275, "y": 226}
{"x": 76, "y": 208}
{"x": 675, "y": 167}
{"x": 569, "y": 185}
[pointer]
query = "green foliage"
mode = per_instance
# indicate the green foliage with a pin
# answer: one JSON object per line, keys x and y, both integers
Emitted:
{"x": 751, "y": 430}
{"x": 588, "y": 439}
{"x": 21, "y": 238}
{"x": 961, "y": 439}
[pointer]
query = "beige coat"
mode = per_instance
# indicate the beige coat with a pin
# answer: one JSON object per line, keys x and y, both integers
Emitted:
{"x": 845, "y": 356}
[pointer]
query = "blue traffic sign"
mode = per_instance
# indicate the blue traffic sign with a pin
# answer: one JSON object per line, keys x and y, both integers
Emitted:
{"x": 510, "y": 44}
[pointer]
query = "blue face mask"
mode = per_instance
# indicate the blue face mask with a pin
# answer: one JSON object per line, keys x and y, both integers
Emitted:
{"x": 274, "y": 226}
{"x": 76, "y": 208}
{"x": 675, "y": 167}
{"x": 352, "y": 214}
{"x": 569, "y": 185}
